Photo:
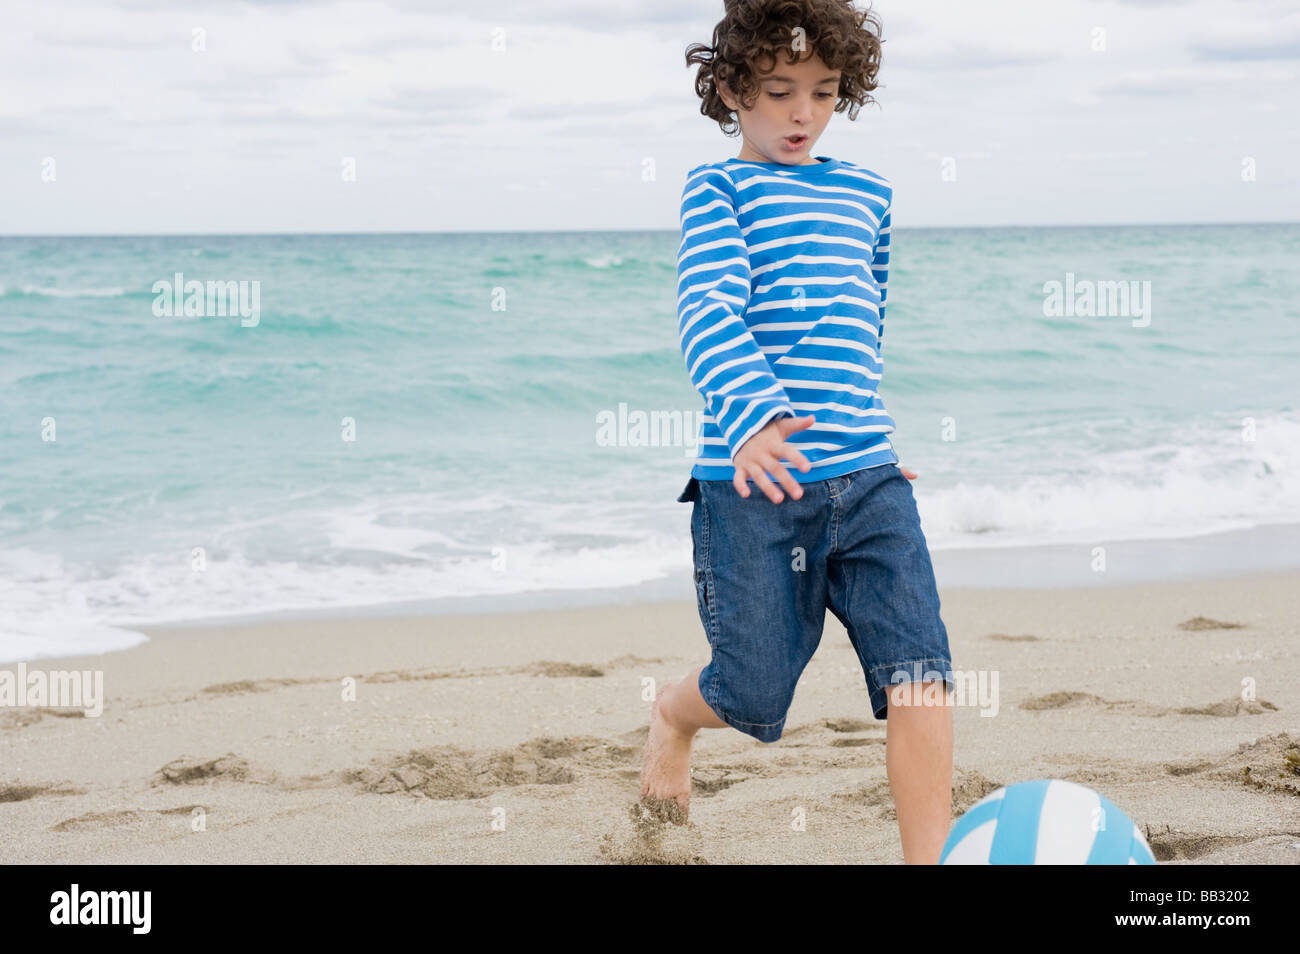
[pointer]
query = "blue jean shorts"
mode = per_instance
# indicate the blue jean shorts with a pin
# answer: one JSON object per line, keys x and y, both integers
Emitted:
{"x": 766, "y": 573}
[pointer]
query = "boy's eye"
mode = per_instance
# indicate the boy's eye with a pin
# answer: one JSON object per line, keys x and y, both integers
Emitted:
{"x": 784, "y": 95}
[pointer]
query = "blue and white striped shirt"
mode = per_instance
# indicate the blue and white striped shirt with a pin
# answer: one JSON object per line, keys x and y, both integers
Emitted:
{"x": 781, "y": 287}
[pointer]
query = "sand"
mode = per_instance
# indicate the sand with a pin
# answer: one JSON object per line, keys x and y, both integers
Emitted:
{"x": 516, "y": 737}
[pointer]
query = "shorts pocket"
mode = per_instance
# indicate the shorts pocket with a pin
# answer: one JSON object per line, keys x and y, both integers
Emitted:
{"x": 704, "y": 589}
{"x": 704, "y": 600}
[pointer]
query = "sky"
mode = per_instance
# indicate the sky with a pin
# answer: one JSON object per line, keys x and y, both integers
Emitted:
{"x": 178, "y": 117}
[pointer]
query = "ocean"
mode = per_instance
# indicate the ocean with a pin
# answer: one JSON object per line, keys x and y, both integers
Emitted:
{"x": 382, "y": 420}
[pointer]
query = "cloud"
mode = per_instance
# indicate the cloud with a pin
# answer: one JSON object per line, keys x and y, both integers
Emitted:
{"x": 597, "y": 16}
{"x": 406, "y": 42}
{"x": 1261, "y": 48}
{"x": 1169, "y": 81}
{"x": 1151, "y": 3}
{"x": 409, "y": 99}
{"x": 963, "y": 56}
{"x": 107, "y": 40}
{"x": 541, "y": 112}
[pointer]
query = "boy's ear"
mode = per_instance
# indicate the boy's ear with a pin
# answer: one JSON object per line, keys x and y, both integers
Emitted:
{"x": 728, "y": 97}
{"x": 725, "y": 94}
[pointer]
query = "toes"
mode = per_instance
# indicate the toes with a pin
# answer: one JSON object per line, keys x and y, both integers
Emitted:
{"x": 669, "y": 811}
{"x": 685, "y": 807}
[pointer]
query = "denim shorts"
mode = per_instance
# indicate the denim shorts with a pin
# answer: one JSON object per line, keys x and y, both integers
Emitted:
{"x": 766, "y": 573}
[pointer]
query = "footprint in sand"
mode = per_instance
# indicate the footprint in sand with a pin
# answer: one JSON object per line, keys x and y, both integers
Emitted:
{"x": 21, "y": 718}
{"x": 968, "y": 787}
{"x": 172, "y": 819}
{"x": 1198, "y": 623}
{"x": 439, "y": 772}
{"x": 708, "y": 780}
{"x": 196, "y": 771}
{"x": 846, "y": 725}
{"x": 1270, "y": 764}
{"x": 547, "y": 668}
{"x": 1169, "y": 844}
{"x": 451, "y": 772}
{"x": 250, "y": 685}
{"x": 856, "y": 743}
{"x": 1075, "y": 700}
{"x": 1232, "y": 706}
{"x": 21, "y": 793}
{"x": 561, "y": 670}
{"x": 1097, "y": 771}
{"x": 1179, "y": 769}
{"x": 567, "y": 670}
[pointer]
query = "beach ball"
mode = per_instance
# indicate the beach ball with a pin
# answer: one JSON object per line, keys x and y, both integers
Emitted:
{"x": 1045, "y": 822}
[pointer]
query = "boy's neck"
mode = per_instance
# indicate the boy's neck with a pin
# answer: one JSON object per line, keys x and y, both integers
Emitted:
{"x": 811, "y": 161}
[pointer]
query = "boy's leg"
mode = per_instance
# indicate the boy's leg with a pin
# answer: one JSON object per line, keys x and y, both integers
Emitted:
{"x": 882, "y": 589}
{"x": 761, "y": 593}
{"x": 918, "y": 760}
{"x": 679, "y": 711}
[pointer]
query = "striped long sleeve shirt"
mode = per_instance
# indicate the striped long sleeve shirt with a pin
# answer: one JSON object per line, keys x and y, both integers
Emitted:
{"x": 782, "y": 276}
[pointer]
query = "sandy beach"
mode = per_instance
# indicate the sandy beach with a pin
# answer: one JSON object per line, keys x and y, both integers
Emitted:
{"x": 516, "y": 737}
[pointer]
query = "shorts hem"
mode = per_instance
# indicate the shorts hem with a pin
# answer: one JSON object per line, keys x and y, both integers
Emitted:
{"x": 882, "y": 679}
{"x": 763, "y": 731}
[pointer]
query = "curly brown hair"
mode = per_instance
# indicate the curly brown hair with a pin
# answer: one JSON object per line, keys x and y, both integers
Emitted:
{"x": 751, "y": 33}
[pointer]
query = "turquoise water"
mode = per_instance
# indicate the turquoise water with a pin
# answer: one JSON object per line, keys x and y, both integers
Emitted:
{"x": 200, "y": 467}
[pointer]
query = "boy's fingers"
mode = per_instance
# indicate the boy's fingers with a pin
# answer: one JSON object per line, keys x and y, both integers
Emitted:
{"x": 790, "y": 453}
{"x": 738, "y": 481}
{"x": 787, "y": 481}
{"x": 765, "y": 461}
{"x": 745, "y": 472}
{"x": 766, "y": 486}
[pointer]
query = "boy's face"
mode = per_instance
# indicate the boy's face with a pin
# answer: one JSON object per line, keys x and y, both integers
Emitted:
{"x": 794, "y": 100}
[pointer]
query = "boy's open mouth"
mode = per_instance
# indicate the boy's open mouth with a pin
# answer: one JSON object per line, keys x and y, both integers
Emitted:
{"x": 795, "y": 142}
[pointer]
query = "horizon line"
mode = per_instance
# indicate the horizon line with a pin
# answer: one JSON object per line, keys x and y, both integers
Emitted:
{"x": 674, "y": 230}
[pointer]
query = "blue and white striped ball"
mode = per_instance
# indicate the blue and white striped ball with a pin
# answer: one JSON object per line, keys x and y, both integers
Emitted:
{"x": 1045, "y": 822}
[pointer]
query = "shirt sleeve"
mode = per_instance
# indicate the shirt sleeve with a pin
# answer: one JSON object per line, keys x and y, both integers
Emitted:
{"x": 725, "y": 364}
{"x": 880, "y": 269}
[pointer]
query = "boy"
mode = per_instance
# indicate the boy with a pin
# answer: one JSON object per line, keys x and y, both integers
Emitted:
{"x": 781, "y": 296}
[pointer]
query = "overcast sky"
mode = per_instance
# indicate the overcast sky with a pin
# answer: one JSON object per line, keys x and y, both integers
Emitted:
{"x": 141, "y": 133}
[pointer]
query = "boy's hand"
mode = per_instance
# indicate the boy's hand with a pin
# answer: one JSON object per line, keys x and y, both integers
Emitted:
{"x": 910, "y": 475}
{"x": 760, "y": 455}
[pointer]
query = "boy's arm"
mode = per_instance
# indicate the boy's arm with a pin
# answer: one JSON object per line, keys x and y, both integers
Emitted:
{"x": 724, "y": 362}
{"x": 880, "y": 268}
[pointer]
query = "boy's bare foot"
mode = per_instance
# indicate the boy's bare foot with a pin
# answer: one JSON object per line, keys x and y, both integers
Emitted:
{"x": 666, "y": 768}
